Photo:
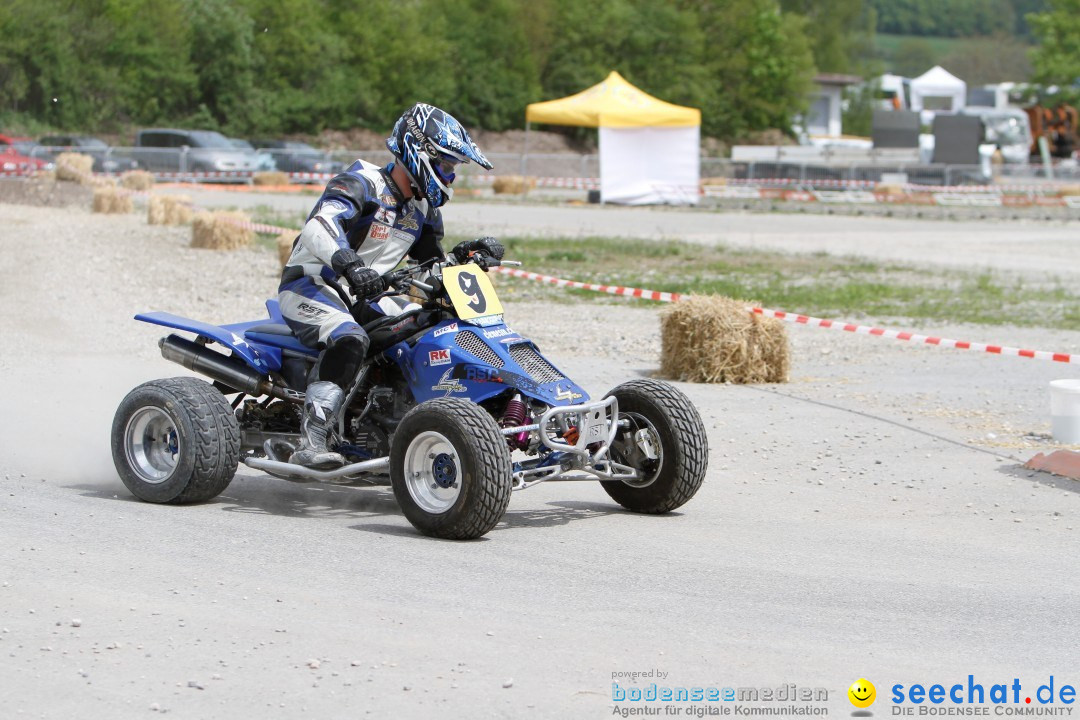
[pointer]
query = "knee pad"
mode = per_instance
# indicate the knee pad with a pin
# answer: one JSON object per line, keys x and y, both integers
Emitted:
{"x": 341, "y": 360}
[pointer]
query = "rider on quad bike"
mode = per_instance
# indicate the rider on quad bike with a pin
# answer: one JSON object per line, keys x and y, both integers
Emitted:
{"x": 367, "y": 220}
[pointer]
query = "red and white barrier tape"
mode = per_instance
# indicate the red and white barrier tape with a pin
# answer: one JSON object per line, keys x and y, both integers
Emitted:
{"x": 669, "y": 297}
{"x": 916, "y": 337}
{"x": 609, "y": 289}
{"x": 807, "y": 320}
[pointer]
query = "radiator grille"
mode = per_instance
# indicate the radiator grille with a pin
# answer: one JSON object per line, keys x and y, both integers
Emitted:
{"x": 534, "y": 364}
{"x": 471, "y": 343}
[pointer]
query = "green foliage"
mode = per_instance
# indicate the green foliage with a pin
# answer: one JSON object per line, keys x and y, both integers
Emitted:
{"x": 841, "y": 32}
{"x": 977, "y": 60}
{"x": 951, "y": 18}
{"x": 1057, "y": 59}
{"x": 276, "y": 66}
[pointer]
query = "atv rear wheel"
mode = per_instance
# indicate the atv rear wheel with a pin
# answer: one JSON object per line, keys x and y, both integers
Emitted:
{"x": 450, "y": 469}
{"x": 175, "y": 441}
{"x": 666, "y": 444}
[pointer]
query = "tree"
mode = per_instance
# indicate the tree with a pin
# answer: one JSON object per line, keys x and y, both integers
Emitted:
{"x": 841, "y": 32}
{"x": 995, "y": 60}
{"x": 913, "y": 56}
{"x": 1057, "y": 57}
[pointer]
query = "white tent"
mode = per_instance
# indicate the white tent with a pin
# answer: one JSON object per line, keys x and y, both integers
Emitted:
{"x": 937, "y": 90}
{"x": 649, "y": 149}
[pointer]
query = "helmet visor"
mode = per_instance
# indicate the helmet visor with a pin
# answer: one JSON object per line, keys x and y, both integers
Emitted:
{"x": 444, "y": 167}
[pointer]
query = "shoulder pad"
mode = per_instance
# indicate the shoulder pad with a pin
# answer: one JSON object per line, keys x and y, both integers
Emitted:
{"x": 355, "y": 188}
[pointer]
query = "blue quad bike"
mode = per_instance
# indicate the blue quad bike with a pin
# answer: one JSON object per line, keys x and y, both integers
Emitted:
{"x": 451, "y": 408}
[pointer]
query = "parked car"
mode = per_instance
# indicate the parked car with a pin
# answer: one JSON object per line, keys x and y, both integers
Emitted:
{"x": 22, "y": 155}
{"x": 105, "y": 159}
{"x": 266, "y": 160}
{"x": 171, "y": 150}
{"x": 297, "y": 157}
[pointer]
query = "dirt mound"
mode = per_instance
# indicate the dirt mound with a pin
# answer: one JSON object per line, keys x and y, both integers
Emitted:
{"x": 44, "y": 191}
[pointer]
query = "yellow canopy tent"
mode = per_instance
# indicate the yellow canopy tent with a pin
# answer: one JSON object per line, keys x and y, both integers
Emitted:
{"x": 612, "y": 103}
{"x": 649, "y": 149}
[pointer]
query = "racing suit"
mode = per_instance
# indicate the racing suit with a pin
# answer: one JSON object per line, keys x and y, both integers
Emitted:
{"x": 363, "y": 215}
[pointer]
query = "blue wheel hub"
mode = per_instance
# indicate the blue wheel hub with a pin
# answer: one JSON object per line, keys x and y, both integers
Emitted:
{"x": 172, "y": 443}
{"x": 444, "y": 470}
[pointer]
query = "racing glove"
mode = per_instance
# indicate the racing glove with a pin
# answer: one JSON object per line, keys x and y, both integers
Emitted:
{"x": 364, "y": 281}
{"x": 487, "y": 245}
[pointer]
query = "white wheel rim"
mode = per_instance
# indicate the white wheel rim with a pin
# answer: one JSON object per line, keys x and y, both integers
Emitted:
{"x": 152, "y": 445}
{"x": 633, "y": 455}
{"x": 432, "y": 472}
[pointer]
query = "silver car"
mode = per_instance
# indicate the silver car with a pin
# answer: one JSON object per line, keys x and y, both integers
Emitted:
{"x": 193, "y": 151}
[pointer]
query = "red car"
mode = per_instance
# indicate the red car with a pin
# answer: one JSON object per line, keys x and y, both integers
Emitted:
{"x": 15, "y": 156}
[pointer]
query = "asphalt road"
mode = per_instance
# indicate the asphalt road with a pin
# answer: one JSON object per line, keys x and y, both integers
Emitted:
{"x": 1033, "y": 247}
{"x": 860, "y": 521}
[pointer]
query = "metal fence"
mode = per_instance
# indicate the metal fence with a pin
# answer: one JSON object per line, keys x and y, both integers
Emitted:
{"x": 239, "y": 165}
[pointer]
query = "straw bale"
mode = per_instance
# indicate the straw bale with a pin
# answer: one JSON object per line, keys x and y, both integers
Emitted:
{"x": 137, "y": 180}
{"x": 285, "y": 245}
{"x": 111, "y": 200}
{"x": 219, "y": 231}
{"x": 270, "y": 178}
{"x": 169, "y": 210}
{"x": 74, "y": 167}
{"x": 512, "y": 184}
{"x": 713, "y": 339}
{"x": 1069, "y": 190}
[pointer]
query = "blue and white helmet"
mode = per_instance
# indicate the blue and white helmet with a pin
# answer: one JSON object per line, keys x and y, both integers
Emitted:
{"x": 429, "y": 143}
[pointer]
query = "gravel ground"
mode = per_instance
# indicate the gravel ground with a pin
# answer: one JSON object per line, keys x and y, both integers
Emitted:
{"x": 867, "y": 519}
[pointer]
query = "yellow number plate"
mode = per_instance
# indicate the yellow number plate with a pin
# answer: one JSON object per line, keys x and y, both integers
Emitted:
{"x": 471, "y": 291}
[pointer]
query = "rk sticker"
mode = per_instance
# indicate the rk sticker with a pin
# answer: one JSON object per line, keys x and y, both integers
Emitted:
{"x": 439, "y": 357}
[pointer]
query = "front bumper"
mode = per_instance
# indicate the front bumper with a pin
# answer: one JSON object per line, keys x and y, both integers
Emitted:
{"x": 586, "y": 458}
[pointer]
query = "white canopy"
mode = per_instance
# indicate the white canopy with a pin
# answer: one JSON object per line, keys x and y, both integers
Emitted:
{"x": 649, "y": 149}
{"x": 938, "y": 90}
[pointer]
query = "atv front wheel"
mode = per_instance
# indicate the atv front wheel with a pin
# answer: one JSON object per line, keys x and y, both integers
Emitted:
{"x": 665, "y": 442}
{"x": 175, "y": 441}
{"x": 450, "y": 469}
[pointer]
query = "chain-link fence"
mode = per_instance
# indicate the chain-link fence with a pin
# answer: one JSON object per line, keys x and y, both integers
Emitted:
{"x": 790, "y": 166}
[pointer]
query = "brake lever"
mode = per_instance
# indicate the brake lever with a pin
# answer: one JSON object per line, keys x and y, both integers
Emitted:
{"x": 422, "y": 285}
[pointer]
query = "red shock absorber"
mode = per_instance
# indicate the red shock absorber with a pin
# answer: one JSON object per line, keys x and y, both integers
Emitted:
{"x": 515, "y": 414}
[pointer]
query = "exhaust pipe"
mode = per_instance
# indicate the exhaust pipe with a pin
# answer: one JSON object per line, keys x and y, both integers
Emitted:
{"x": 222, "y": 368}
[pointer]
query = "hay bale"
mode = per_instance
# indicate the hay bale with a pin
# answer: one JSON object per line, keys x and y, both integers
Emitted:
{"x": 169, "y": 210}
{"x": 270, "y": 178}
{"x": 103, "y": 181}
{"x": 890, "y": 189}
{"x": 513, "y": 184}
{"x": 1069, "y": 190}
{"x": 137, "y": 180}
{"x": 713, "y": 339}
{"x": 75, "y": 167}
{"x": 111, "y": 201}
{"x": 285, "y": 246}
{"x": 219, "y": 231}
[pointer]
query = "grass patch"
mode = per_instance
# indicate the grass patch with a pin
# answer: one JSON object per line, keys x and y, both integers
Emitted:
{"x": 814, "y": 284}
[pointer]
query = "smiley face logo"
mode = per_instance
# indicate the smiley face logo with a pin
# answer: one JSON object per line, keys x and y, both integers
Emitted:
{"x": 862, "y": 693}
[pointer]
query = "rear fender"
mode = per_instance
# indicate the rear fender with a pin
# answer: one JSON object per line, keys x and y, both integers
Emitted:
{"x": 263, "y": 358}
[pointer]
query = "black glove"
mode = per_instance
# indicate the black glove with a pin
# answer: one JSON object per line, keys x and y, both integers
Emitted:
{"x": 487, "y": 245}
{"x": 364, "y": 281}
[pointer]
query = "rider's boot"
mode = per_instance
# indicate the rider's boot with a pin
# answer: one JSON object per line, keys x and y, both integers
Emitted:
{"x": 321, "y": 407}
